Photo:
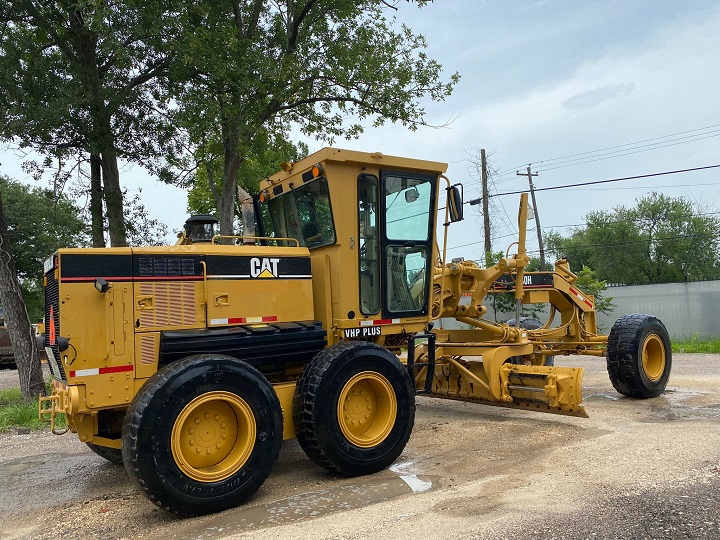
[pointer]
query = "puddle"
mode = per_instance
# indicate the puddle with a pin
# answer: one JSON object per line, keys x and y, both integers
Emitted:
{"x": 407, "y": 472}
{"x": 601, "y": 397}
{"x": 681, "y": 404}
{"x": 374, "y": 488}
{"x": 21, "y": 464}
{"x": 675, "y": 404}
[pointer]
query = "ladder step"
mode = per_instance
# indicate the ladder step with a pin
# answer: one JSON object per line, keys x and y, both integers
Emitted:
{"x": 429, "y": 364}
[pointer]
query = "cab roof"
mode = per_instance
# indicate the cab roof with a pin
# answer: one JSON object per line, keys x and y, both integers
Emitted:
{"x": 353, "y": 156}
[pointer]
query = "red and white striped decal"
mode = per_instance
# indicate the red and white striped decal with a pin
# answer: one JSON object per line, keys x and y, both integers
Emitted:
{"x": 378, "y": 322}
{"x": 581, "y": 297}
{"x": 244, "y": 320}
{"x": 100, "y": 371}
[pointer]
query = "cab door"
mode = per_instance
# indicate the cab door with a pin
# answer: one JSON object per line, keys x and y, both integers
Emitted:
{"x": 407, "y": 224}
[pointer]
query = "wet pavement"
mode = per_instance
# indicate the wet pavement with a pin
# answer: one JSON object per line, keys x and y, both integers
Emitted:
{"x": 634, "y": 469}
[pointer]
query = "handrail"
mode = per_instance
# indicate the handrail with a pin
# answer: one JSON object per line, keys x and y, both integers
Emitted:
{"x": 205, "y": 300}
{"x": 274, "y": 238}
{"x": 446, "y": 225}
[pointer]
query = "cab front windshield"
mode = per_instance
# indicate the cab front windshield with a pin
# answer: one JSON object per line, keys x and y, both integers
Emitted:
{"x": 303, "y": 213}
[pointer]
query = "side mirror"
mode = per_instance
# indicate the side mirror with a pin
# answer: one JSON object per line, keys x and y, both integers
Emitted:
{"x": 412, "y": 195}
{"x": 455, "y": 202}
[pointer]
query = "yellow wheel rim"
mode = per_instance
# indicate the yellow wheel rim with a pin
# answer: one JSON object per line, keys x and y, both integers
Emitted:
{"x": 367, "y": 409}
{"x": 653, "y": 357}
{"x": 213, "y": 436}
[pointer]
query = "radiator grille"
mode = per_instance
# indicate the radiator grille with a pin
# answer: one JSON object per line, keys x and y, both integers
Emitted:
{"x": 147, "y": 349}
{"x": 173, "y": 304}
{"x": 52, "y": 297}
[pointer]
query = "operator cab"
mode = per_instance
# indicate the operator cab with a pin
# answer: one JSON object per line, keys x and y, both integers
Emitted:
{"x": 198, "y": 229}
{"x": 369, "y": 219}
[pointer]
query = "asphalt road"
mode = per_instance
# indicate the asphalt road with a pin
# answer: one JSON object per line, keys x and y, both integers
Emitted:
{"x": 634, "y": 469}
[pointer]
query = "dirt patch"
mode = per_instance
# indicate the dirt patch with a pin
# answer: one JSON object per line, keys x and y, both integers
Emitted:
{"x": 9, "y": 378}
{"x": 469, "y": 471}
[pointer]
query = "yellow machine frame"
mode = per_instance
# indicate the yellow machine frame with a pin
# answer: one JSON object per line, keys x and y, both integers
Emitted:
{"x": 345, "y": 271}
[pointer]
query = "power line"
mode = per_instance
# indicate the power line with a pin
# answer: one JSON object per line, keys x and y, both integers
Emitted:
{"x": 644, "y": 241}
{"x": 712, "y": 127}
{"x": 559, "y": 166}
{"x": 622, "y": 221}
{"x": 646, "y": 187}
{"x": 653, "y": 187}
{"x": 615, "y": 154}
{"x": 679, "y": 171}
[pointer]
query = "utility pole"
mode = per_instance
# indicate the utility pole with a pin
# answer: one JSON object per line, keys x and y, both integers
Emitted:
{"x": 486, "y": 205}
{"x": 537, "y": 216}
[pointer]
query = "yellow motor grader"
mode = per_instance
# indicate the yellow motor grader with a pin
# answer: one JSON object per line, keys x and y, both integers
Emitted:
{"x": 191, "y": 363}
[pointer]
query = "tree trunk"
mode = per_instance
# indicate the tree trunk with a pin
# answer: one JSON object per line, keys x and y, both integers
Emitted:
{"x": 231, "y": 166}
{"x": 96, "y": 197}
{"x": 113, "y": 199}
{"x": 18, "y": 322}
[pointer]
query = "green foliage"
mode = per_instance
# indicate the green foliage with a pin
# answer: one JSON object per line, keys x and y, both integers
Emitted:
{"x": 534, "y": 265}
{"x": 38, "y": 224}
{"x": 70, "y": 70}
{"x": 11, "y": 395}
{"x": 588, "y": 283}
{"x": 248, "y": 71}
{"x": 263, "y": 162}
{"x": 661, "y": 240}
{"x": 142, "y": 230}
{"x": 83, "y": 78}
{"x": 694, "y": 344}
{"x": 17, "y": 412}
{"x": 505, "y": 302}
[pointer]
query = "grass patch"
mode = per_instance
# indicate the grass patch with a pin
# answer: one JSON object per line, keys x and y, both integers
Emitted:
{"x": 695, "y": 344}
{"x": 15, "y": 412}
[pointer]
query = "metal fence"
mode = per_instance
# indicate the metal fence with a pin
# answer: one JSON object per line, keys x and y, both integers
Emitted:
{"x": 686, "y": 309}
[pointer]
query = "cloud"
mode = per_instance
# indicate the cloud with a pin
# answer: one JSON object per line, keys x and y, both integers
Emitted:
{"x": 592, "y": 98}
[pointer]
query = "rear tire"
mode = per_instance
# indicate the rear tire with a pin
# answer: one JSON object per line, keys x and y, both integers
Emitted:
{"x": 639, "y": 356}
{"x": 354, "y": 408}
{"x": 202, "y": 434}
{"x": 113, "y": 455}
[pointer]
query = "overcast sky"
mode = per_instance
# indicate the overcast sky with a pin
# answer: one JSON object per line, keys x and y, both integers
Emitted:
{"x": 543, "y": 80}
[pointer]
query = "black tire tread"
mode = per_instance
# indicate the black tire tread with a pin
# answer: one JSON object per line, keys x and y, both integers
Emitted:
{"x": 131, "y": 425}
{"x": 622, "y": 355}
{"x": 303, "y": 406}
{"x": 305, "y": 392}
{"x": 113, "y": 455}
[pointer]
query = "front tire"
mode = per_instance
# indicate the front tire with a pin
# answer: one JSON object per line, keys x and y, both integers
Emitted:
{"x": 529, "y": 323}
{"x": 202, "y": 434}
{"x": 639, "y": 356}
{"x": 354, "y": 408}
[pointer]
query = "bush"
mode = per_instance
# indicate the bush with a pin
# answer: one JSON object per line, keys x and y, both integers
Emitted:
{"x": 695, "y": 344}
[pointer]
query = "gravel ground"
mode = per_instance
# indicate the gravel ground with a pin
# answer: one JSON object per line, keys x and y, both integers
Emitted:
{"x": 634, "y": 469}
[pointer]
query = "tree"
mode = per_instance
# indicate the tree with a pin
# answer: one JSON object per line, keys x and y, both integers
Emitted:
{"x": 38, "y": 224}
{"x": 505, "y": 302}
{"x": 588, "y": 283}
{"x": 204, "y": 196}
{"x": 18, "y": 323}
{"x": 250, "y": 69}
{"x": 79, "y": 80}
{"x": 661, "y": 240}
{"x": 142, "y": 230}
